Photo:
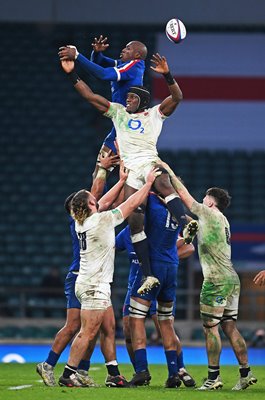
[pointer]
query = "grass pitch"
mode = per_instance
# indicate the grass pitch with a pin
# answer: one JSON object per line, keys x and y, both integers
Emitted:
{"x": 20, "y": 381}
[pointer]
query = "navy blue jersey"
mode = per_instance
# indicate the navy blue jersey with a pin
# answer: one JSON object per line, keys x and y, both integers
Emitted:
{"x": 161, "y": 230}
{"x": 75, "y": 265}
{"x": 122, "y": 75}
{"x": 123, "y": 242}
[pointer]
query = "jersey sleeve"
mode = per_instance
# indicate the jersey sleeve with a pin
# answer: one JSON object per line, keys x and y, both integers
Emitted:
{"x": 113, "y": 110}
{"x": 117, "y": 216}
{"x": 105, "y": 74}
{"x": 200, "y": 210}
{"x": 100, "y": 59}
{"x": 128, "y": 71}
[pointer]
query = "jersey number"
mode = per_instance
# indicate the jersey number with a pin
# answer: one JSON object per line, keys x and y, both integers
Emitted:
{"x": 82, "y": 240}
{"x": 227, "y": 235}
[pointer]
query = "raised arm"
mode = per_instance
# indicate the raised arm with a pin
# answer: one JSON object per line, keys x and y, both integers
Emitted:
{"x": 97, "y": 101}
{"x": 183, "y": 192}
{"x": 99, "y": 45}
{"x": 108, "y": 199}
{"x": 70, "y": 53}
{"x": 101, "y": 176}
{"x": 184, "y": 250}
{"x": 168, "y": 106}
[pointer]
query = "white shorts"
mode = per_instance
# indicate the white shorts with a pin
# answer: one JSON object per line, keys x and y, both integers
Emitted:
{"x": 93, "y": 297}
{"x": 137, "y": 177}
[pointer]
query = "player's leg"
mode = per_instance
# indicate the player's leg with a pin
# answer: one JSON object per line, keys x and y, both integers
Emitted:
{"x": 65, "y": 335}
{"x": 140, "y": 243}
{"x": 126, "y": 326}
{"x": 212, "y": 303}
{"x": 164, "y": 315}
{"x": 138, "y": 312}
{"x": 108, "y": 348}
{"x": 93, "y": 305}
{"x": 228, "y": 324}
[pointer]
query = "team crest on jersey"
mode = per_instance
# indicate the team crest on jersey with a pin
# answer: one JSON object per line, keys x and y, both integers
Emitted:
{"x": 219, "y": 299}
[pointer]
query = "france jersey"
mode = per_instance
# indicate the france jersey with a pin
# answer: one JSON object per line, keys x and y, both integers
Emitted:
{"x": 162, "y": 233}
{"x": 69, "y": 285}
{"x": 121, "y": 75}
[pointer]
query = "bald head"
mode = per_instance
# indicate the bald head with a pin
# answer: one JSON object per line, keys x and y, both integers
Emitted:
{"x": 140, "y": 48}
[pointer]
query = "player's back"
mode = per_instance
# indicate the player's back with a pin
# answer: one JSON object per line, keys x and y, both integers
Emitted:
{"x": 162, "y": 231}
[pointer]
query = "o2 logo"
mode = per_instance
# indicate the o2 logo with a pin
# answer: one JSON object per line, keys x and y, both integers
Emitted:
{"x": 135, "y": 124}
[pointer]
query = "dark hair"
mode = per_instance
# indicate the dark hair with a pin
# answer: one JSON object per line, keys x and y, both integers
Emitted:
{"x": 143, "y": 94}
{"x": 221, "y": 196}
{"x": 67, "y": 202}
{"x": 79, "y": 206}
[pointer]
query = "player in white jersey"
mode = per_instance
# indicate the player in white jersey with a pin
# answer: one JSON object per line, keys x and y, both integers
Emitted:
{"x": 138, "y": 128}
{"x": 221, "y": 286}
{"x": 95, "y": 228}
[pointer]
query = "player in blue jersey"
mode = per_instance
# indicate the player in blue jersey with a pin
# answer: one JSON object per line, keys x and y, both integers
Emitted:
{"x": 162, "y": 233}
{"x": 72, "y": 324}
{"x": 138, "y": 128}
{"x": 123, "y": 242}
{"x": 122, "y": 73}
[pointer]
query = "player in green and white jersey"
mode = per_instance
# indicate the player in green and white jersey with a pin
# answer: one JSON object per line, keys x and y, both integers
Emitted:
{"x": 221, "y": 285}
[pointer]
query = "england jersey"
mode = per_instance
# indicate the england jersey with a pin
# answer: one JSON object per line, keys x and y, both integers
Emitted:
{"x": 97, "y": 247}
{"x": 137, "y": 134}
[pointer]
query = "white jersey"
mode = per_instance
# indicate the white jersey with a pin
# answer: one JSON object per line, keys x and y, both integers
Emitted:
{"x": 97, "y": 247}
{"x": 137, "y": 134}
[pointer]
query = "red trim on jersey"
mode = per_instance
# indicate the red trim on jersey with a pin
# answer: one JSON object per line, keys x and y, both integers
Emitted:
{"x": 205, "y": 88}
{"x": 128, "y": 66}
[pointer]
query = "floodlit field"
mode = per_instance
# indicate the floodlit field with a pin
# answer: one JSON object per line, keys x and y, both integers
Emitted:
{"x": 20, "y": 381}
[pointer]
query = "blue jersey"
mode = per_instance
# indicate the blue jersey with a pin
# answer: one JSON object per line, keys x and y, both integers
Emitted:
{"x": 123, "y": 242}
{"x": 122, "y": 75}
{"x": 161, "y": 230}
{"x": 75, "y": 265}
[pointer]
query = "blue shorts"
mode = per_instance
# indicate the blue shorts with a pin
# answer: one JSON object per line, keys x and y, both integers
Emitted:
{"x": 110, "y": 139}
{"x": 69, "y": 291}
{"x": 167, "y": 275}
{"x": 126, "y": 305}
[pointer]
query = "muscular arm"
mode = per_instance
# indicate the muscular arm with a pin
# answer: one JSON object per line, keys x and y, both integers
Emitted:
{"x": 168, "y": 106}
{"x": 184, "y": 250}
{"x": 105, "y": 74}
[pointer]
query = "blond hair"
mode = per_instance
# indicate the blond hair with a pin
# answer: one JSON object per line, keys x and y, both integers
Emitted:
{"x": 79, "y": 206}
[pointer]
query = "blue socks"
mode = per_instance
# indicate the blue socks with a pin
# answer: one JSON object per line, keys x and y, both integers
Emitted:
{"x": 172, "y": 363}
{"x": 52, "y": 358}
{"x": 84, "y": 365}
{"x": 140, "y": 360}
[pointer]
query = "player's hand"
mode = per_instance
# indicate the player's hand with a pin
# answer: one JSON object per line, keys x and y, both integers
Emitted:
{"x": 167, "y": 167}
{"x": 124, "y": 172}
{"x": 100, "y": 44}
{"x": 260, "y": 278}
{"x": 160, "y": 64}
{"x": 152, "y": 175}
{"x": 110, "y": 160}
{"x": 68, "y": 52}
{"x": 68, "y": 66}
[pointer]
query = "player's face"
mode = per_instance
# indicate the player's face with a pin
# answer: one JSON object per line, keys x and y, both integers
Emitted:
{"x": 132, "y": 102}
{"x": 128, "y": 53}
{"x": 92, "y": 202}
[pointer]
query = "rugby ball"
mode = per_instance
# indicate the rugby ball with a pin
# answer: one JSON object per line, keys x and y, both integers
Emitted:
{"x": 175, "y": 30}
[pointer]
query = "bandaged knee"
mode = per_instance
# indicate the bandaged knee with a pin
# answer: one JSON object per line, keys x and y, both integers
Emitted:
{"x": 138, "y": 310}
{"x": 163, "y": 312}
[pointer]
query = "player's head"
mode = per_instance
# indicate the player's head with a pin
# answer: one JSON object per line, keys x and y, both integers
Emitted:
{"x": 217, "y": 197}
{"x": 83, "y": 204}
{"x": 133, "y": 50}
{"x": 67, "y": 202}
{"x": 138, "y": 99}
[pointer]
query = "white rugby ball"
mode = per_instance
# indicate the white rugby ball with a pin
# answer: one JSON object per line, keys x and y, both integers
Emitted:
{"x": 175, "y": 30}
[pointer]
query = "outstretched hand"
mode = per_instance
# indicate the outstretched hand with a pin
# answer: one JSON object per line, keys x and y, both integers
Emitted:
{"x": 100, "y": 44}
{"x": 109, "y": 160}
{"x": 124, "y": 172}
{"x": 152, "y": 175}
{"x": 260, "y": 278}
{"x": 68, "y": 66}
{"x": 68, "y": 52}
{"x": 160, "y": 64}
